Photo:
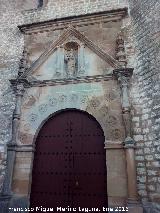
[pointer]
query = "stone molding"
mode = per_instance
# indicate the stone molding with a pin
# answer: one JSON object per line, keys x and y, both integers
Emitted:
{"x": 62, "y": 23}
{"x": 126, "y": 72}
{"x": 113, "y": 145}
{"x": 29, "y": 82}
{"x": 21, "y": 148}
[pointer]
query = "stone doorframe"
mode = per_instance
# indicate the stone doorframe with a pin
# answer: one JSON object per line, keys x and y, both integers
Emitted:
{"x": 123, "y": 76}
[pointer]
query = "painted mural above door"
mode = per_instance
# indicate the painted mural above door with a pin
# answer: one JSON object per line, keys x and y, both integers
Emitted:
{"x": 72, "y": 55}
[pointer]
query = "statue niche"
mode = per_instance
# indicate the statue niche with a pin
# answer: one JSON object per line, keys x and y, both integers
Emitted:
{"x": 71, "y": 58}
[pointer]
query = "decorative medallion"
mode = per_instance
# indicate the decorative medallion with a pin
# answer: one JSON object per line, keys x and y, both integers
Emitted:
{"x": 42, "y": 108}
{"x": 33, "y": 117}
{"x": 104, "y": 111}
{"x": 112, "y": 120}
{"x": 3, "y": 123}
{"x": 116, "y": 134}
{"x": 95, "y": 103}
{"x": 53, "y": 102}
{"x": 112, "y": 95}
{"x": 26, "y": 127}
{"x": 29, "y": 101}
{"x": 62, "y": 98}
{"x": 74, "y": 98}
{"x": 84, "y": 98}
{"x": 22, "y": 137}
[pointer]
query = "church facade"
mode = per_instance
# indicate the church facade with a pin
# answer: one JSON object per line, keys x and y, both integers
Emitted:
{"x": 79, "y": 129}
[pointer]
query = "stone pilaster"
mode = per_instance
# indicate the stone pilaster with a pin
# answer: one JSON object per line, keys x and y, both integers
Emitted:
{"x": 123, "y": 76}
{"x": 6, "y": 191}
{"x": 81, "y": 59}
{"x": 59, "y": 61}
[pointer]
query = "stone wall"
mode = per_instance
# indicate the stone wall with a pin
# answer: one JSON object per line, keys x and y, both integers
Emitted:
{"x": 146, "y": 27}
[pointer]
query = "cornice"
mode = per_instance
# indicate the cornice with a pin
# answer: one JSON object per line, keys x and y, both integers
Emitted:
{"x": 21, "y": 147}
{"x": 54, "y": 82}
{"x": 61, "y": 23}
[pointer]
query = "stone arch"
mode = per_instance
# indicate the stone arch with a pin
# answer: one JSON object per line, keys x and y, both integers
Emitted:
{"x": 95, "y": 104}
{"x": 99, "y": 121}
{"x": 54, "y": 114}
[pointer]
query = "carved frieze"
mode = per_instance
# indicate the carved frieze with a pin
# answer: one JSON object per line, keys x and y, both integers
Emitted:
{"x": 92, "y": 98}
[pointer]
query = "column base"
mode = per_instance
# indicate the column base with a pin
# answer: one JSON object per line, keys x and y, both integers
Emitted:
{"x": 4, "y": 203}
{"x": 134, "y": 206}
{"x": 9, "y": 202}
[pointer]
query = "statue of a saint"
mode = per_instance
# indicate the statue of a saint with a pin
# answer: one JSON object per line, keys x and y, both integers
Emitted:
{"x": 70, "y": 60}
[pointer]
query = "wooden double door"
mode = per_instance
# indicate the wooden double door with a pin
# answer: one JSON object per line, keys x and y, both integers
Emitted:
{"x": 69, "y": 167}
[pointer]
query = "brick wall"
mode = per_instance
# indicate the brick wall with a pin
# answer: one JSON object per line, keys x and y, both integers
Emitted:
{"x": 146, "y": 27}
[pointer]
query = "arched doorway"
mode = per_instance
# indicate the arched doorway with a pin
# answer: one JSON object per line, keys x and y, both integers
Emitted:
{"x": 69, "y": 167}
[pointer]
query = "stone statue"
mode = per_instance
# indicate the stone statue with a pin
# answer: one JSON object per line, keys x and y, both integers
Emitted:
{"x": 70, "y": 60}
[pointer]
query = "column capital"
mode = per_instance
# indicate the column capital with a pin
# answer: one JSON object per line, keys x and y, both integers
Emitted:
{"x": 19, "y": 85}
{"x": 20, "y": 89}
{"x": 123, "y": 72}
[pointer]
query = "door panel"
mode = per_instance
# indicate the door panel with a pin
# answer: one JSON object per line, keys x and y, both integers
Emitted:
{"x": 69, "y": 166}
